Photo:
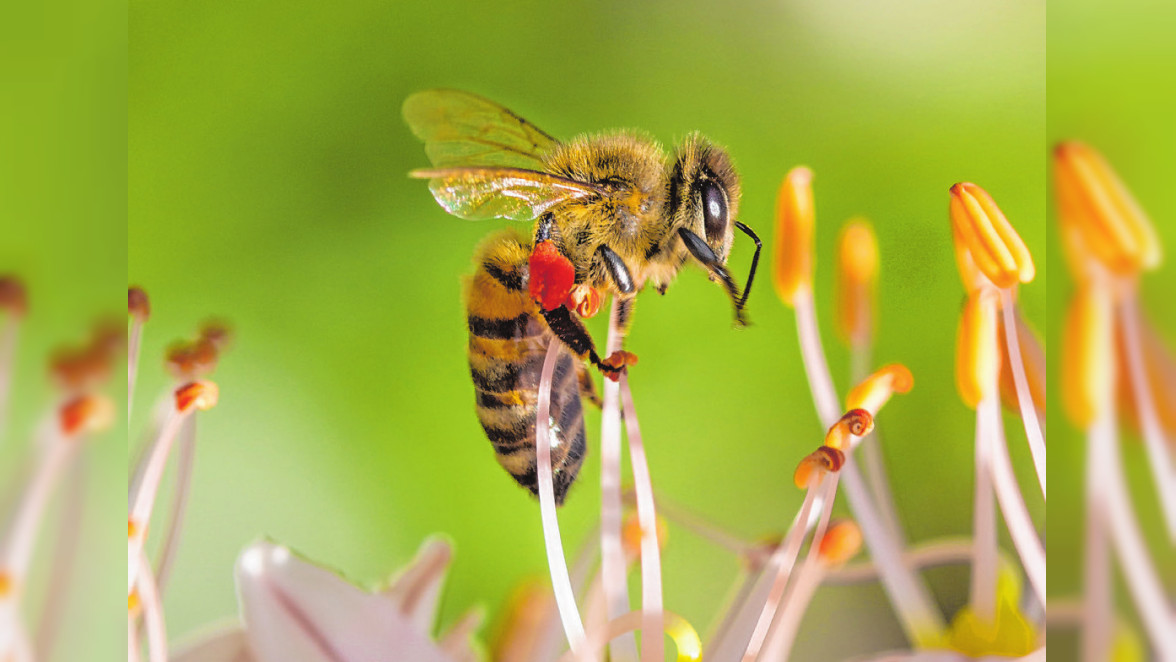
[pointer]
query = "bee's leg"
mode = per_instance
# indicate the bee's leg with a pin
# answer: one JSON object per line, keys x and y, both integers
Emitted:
{"x": 616, "y": 269}
{"x": 572, "y": 333}
{"x": 587, "y": 386}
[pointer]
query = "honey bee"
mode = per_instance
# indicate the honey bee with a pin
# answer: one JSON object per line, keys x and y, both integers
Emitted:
{"x": 612, "y": 213}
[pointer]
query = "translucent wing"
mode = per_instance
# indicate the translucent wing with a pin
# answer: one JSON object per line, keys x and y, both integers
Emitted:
{"x": 520, "y": 195}
{"x": 462, "y": 129}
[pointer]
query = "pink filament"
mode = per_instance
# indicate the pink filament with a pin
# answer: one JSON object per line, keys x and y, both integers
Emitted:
{"x": 565, "y": 598}
{"x": 1024, "y": 397}
{"x": 612, "y": 553}
{"x": 651, "y": 585}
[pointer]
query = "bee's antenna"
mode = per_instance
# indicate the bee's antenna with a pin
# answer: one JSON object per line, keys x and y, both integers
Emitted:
{"x": 754, "y": 262}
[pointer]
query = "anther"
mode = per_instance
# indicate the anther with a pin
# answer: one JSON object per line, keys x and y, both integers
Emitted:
{"x": 7, "y": 584}
{"x": 978, "y": 348}
{"x": 857, "y": 273}
{"x": 200, "y": 395}
{"x": 855, "y": 423}
{"x": 876, "y": 390}
{"x": 842, "y": 541}
{"x": 191, "y": 360}
{"x": 13, "y": 297}
{"x": 1109, "y": 222}
{"x": 982, "y": 228}
{"x": 138, "y": 305}
{"x": 820, "y": 461}
{"x": 86, "y": 414}
{"x": 1088, "y": 360}
{"x": 792, "y": 269}
{"x": 631, "y": 533}
{"x": 216, "y": 332}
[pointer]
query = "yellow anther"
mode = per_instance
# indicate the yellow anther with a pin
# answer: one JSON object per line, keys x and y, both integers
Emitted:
{"x": 842, "y": 541}
{"x": 978, "y": 348}
{"x": 1032, "y": 357}
{"x": 133, "y": 603}
{"x": 631, "y": 535}
{"x": 792, "y": 269}
{"x": 133, "y": 529}
{"x": 982, "y": 229}
{"x": 877, "y": 389}
{"x": 857, "y": 275}
{"x": 1110, "y": 223}
{"x": 201, "y": 395}
{"x": 1088, "y": 359}
{"x": 86, "y": 414}
{"x": 816, "y": 464}
{"x": 855, "y": 423}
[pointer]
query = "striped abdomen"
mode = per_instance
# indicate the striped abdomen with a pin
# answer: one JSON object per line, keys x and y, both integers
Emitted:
{"x": 508, "y": 343}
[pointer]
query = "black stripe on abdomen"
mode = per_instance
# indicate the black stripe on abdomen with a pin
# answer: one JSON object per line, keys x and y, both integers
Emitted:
{"x": 499, "y": 329}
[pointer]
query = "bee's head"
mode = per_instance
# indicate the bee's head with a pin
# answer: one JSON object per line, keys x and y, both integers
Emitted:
{"x": 704, "y": 205}
{"x": 704, "y": 193}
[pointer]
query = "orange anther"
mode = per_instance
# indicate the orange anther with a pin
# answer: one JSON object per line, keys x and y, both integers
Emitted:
{"x": 216, "y": 332}
{"x": 843, "y": 540}
{"x": 191, "y": 360}
{"x": 816, "y": 464}
{"x": 631, "y": 535}
{"x": 584, "y": 300}
{"x": 877, "y": 389}
{"x": 995, "y": 247}
{"x": 1110, "y": 224}
{"x": 12, "y": 296}
{"x": 200, "y": 395}
{"x": 138, "y": 305}
{"x": 1088, "y": 358}
{"x": 132, "y": 528}
{"x": 86, "y": 413}
{"x": 792, "y": 268}
{"x": 978, "y": 348}
{"x": 855, "y": 423}
{"x": 857, "y": 274}
{"x": 7, "y": 585}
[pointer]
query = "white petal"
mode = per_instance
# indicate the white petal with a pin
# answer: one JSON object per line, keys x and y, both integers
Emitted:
{"x": 229, "y": 645}
{"x": 417, "y": 589}
{"x": 297, "y": 612}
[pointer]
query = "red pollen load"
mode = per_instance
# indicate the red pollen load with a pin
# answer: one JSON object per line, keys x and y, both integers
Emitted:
{"x": 552, "y": 276}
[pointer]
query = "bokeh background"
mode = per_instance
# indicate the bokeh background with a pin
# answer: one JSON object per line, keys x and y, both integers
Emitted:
{"x": 267, "y": 182}
{"x": 1110, "y": 82}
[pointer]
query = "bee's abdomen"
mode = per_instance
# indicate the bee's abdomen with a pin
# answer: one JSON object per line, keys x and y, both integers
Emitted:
{"x": 507, "y": 345}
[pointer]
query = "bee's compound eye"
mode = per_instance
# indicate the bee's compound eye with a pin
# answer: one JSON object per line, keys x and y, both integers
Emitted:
{"x": 714, "y": 212}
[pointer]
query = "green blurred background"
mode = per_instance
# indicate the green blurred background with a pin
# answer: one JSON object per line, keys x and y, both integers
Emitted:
{"x": 63, "y": 205}
{"x": 267, "y": 162}
{"x": 1110, "y": 85}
